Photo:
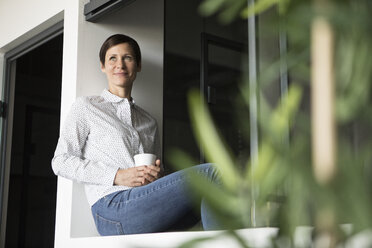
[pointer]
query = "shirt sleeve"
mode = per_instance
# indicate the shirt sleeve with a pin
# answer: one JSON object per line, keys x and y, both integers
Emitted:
{"x": 68, "y": 160}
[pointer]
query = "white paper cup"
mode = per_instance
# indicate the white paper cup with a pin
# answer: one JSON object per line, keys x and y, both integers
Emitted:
{"x": 144, "y": 159}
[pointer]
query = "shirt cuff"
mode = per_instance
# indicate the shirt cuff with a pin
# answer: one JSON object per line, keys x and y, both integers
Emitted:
{"x": 109, "y": 175}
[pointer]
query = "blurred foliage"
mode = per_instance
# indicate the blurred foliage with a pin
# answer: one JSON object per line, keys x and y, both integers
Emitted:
{"x": 282, "y": 185}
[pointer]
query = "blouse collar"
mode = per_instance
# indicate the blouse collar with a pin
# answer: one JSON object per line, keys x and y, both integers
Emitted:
{"x": 108, "y": 96}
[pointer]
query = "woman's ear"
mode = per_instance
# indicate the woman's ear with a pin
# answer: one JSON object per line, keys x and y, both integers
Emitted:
{"x": 102, "y": 67}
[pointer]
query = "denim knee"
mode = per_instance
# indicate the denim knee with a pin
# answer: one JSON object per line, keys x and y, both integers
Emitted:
{"x": 210, "y": 171}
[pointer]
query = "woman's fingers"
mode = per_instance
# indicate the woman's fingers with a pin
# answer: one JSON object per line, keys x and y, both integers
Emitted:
{"x": 157, "y": 162}
{"x": 151, "y": 173}
{"x": 149, "y": 178}
{"x": 154, "y": 171}
{"x": 140, "y": 175}
{"x": 135, "y": 176}
{"x": 137, "y": 184}
{"x": 153, "y": 168}
{"x": 147, "y": 174}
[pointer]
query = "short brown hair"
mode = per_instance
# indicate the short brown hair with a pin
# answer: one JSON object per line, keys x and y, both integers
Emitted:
{"x": 116, "y": 39}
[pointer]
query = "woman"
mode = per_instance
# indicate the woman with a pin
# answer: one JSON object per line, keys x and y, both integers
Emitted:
{"x": 96, "y": 147}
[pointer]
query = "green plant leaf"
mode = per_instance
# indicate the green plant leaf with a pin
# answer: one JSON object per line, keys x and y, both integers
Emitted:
{"x": 220, "y": 199}
{"x": 258, "y": 7}
{"x": 226, "y": 202}
{"x": 209, "y": 7}
{"x": 229, "y": 14}
{"x": 211, "y": 143}
{"x": 285, "y": 112}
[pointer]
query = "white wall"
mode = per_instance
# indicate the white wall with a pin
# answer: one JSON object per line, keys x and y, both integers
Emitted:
{"x": 20, "y": 18}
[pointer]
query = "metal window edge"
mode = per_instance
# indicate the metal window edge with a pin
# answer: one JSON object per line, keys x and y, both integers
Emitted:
{"x": 95, "y": 9}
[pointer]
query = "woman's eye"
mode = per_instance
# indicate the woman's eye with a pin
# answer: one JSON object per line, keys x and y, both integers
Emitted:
{"x": 112, "y": 58}
{"x": 128, "y": 58}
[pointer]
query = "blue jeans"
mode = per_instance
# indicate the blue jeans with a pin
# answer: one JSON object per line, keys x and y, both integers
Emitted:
{"x": 163, "y": 205}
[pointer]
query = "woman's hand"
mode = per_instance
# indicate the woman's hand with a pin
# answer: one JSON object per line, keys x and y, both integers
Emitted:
{"x": 153, "y": 172}
{"x": 132, "y": 177}
{"x": 138, "y": 176}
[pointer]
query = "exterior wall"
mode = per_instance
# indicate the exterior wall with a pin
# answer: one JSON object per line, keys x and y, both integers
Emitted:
{"x": 21, "y": 19}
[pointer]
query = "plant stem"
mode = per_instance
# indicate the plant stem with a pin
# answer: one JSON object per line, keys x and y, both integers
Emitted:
{"x": 323, "y": 120}
{"x": 322, "y": 99}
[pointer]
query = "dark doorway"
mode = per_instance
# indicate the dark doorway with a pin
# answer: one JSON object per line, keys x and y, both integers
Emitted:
{"x": 32, "y": 185}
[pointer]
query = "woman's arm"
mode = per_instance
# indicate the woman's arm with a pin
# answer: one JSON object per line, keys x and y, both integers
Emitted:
{"x": 68, "y": 161}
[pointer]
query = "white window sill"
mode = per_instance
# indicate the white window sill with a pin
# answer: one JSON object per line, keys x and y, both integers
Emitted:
{"x": 75, "y": 228}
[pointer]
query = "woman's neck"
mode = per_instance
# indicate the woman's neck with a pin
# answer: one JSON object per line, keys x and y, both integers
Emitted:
{"x": 121, "y": 92}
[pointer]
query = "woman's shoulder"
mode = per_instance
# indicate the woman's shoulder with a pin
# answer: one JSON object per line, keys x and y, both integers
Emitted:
{"x": 145, "y": 114}
{"x": 88, "y": 100}
{"x": 85, "y": 103}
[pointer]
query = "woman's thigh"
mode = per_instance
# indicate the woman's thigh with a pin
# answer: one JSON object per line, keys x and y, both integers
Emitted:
{"x": 155, "y": 207}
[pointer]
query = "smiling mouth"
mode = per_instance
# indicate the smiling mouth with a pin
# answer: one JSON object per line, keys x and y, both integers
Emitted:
{"x": 121, "y": 74}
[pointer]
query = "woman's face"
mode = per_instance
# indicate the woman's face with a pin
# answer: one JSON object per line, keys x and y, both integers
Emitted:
{"x": 120, "y": 66}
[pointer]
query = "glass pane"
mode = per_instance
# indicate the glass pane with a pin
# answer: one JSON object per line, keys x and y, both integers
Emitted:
{"x": 182, "y": 52}
{"x": 231, "y": 115}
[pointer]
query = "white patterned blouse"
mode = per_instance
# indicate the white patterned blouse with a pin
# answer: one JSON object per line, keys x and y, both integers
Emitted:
{"x": 100, "y": 135}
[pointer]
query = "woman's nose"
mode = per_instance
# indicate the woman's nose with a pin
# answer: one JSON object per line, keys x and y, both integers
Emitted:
{"x": 120, "y": 64}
